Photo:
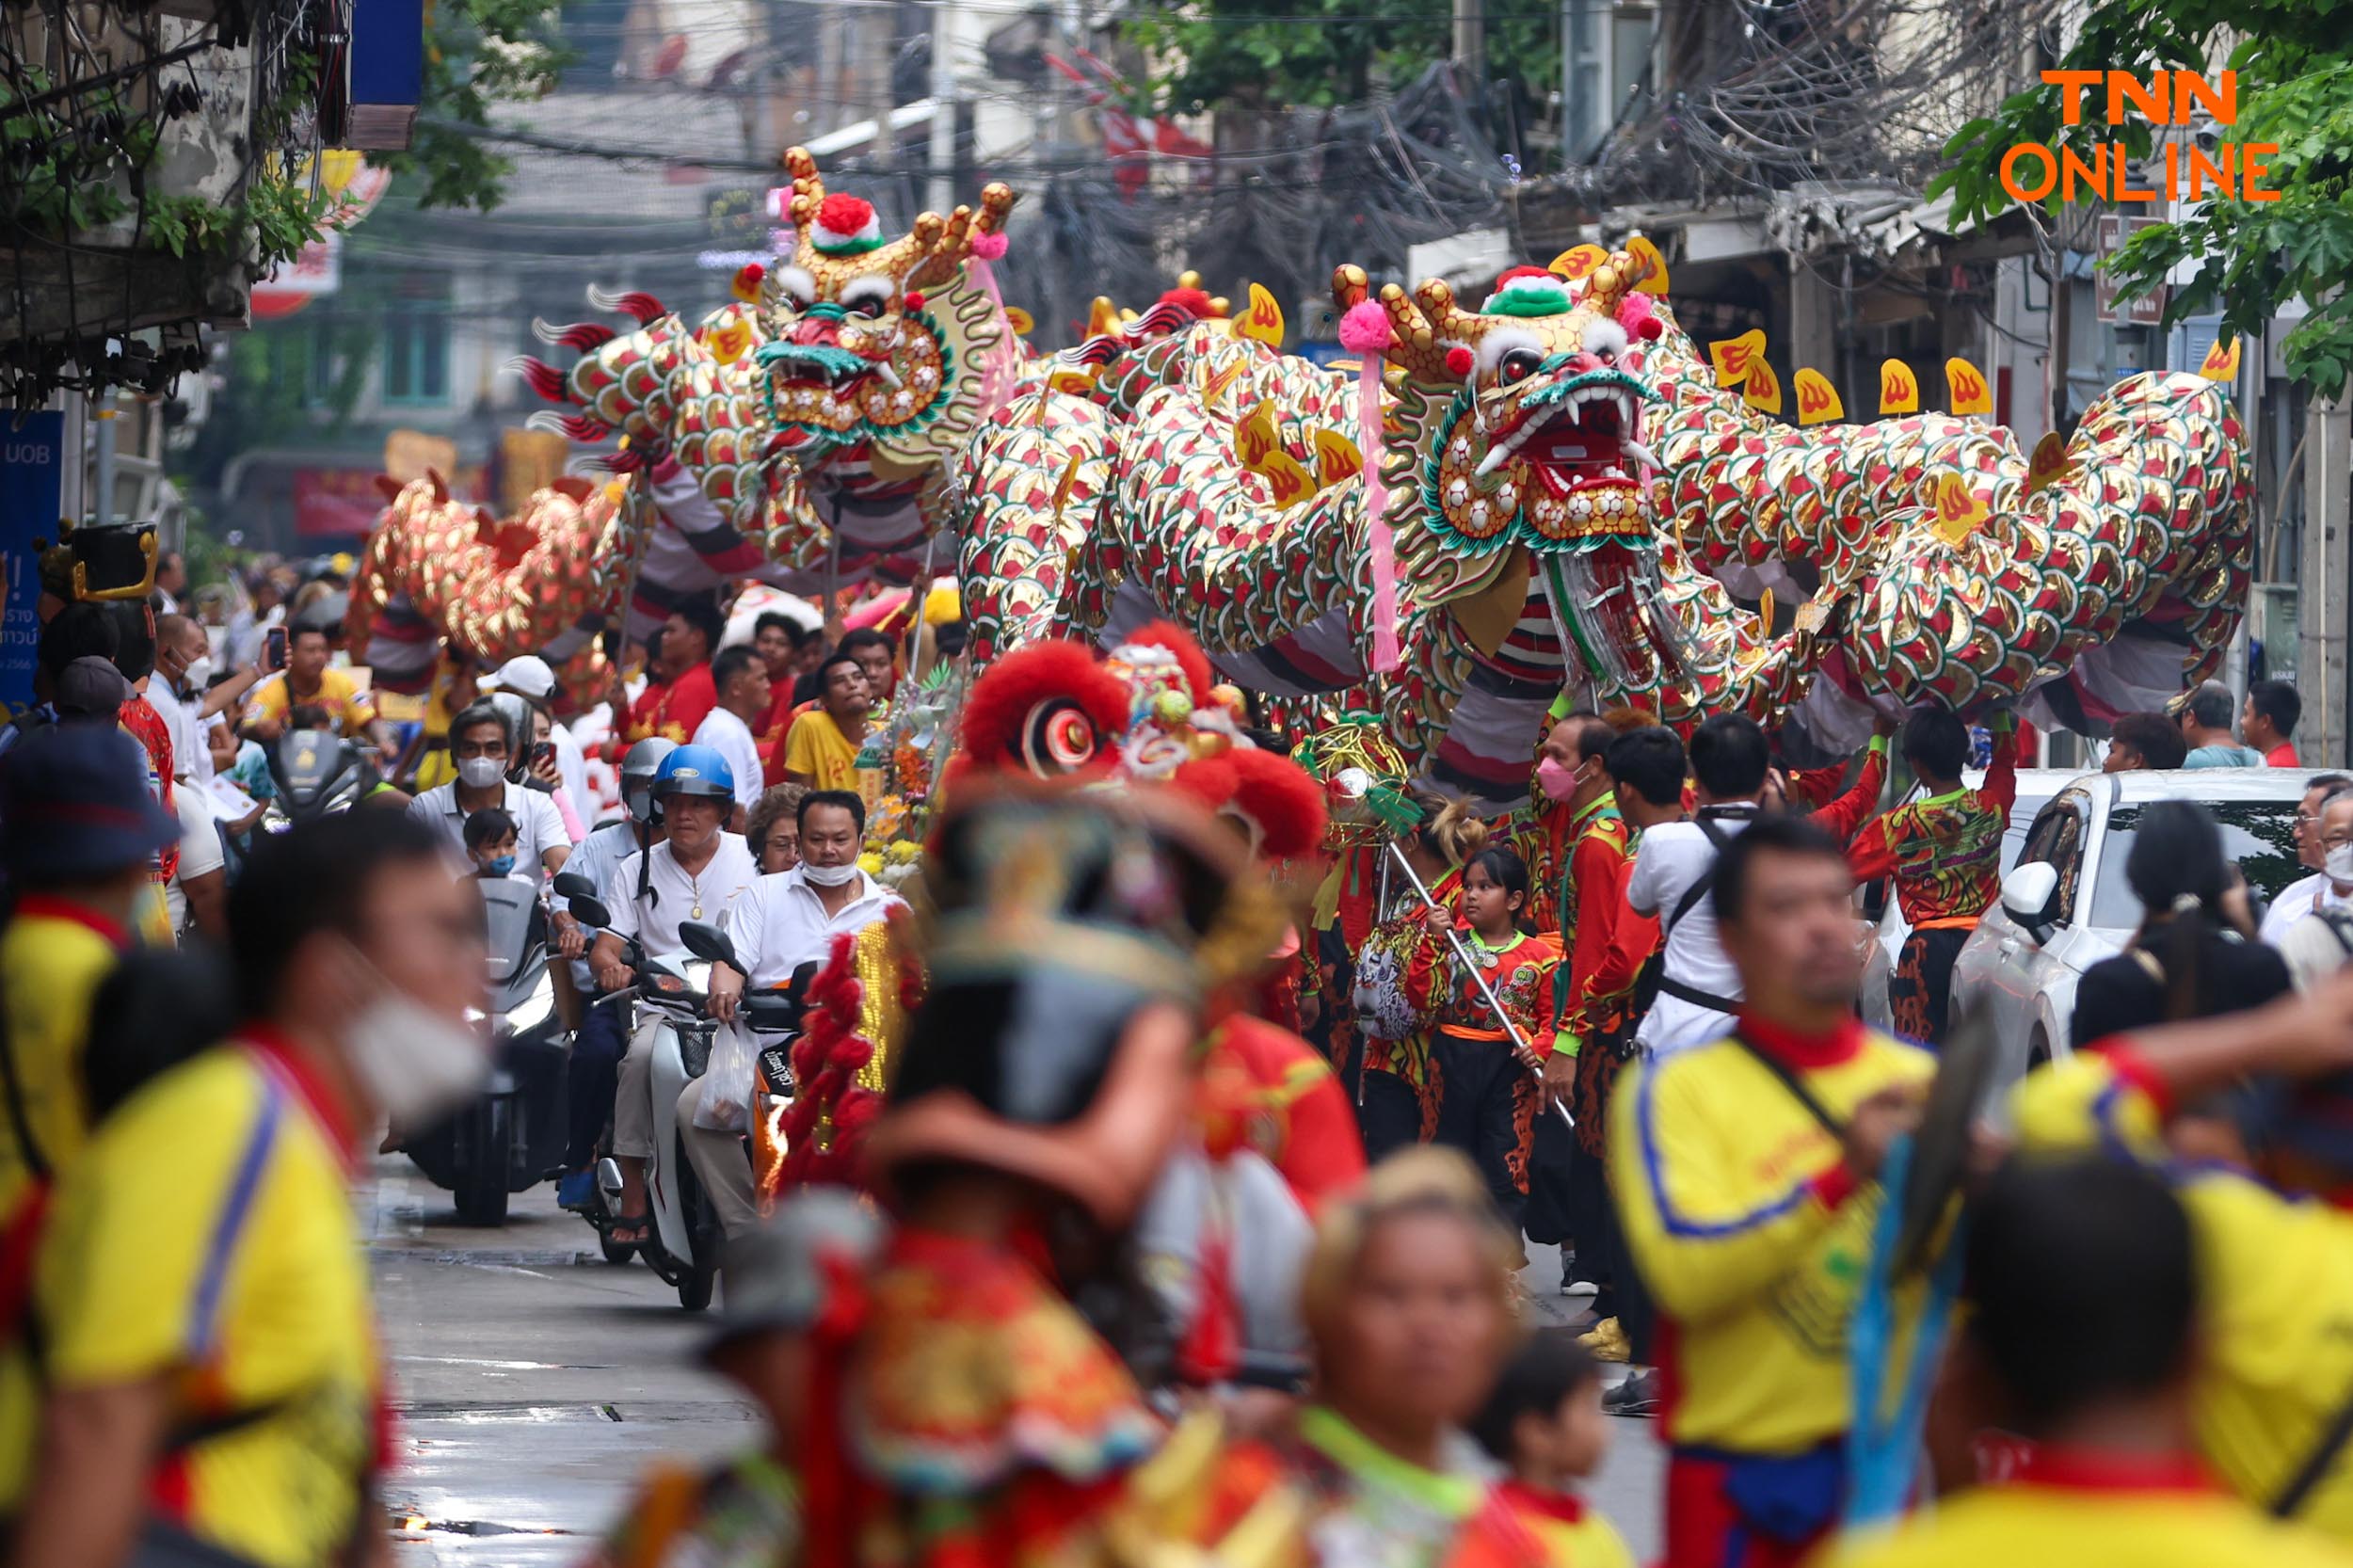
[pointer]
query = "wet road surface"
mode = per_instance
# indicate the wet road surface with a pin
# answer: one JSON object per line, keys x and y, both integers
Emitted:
{"x": 535, "y": 1381}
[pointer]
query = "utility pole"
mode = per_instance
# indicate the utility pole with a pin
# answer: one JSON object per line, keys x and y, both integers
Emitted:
{"x": 942, "y": 195}
{"x": 1470, "y": 46}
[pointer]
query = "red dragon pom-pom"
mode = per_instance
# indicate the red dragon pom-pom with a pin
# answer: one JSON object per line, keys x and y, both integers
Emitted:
{"x": 1283, "y": 798}
{"x": 999, "y": 706}
{"x": 1195, "y": 300}
{"x": 845, "y": 214}
{"x": 1459, "y": 361}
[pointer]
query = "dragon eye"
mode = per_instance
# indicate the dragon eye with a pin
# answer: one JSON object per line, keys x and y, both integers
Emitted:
{"x": 865, "y": 305}
{"x": 1059, "y": 739}
{"x": 1520, "y": 363}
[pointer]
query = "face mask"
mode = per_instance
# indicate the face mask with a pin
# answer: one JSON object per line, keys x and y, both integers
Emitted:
{"x": 198, "y": 676}
{"x": 414, "y": 1063}
{"x": 480, "y": 772}
{"x": 1557, "y": 779}
{"x": 831, "y": 877}
{"x": 2338, "y": 863}
{"x": 500, "y": 865}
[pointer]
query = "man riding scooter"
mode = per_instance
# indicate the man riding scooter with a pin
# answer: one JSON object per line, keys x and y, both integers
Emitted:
{"x": 694, "y": 874}
{"x": 604, "y": 1029}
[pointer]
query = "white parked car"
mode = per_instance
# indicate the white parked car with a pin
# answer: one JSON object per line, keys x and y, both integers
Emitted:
{"x": 2065, "y": 905}
{"x": 2034, "y": 787}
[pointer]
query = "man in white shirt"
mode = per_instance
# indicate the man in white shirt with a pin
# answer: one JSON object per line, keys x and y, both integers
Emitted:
{"x": 740, "y": 677}
{"x": 697, "y": 872}
{"x": 2296, "y": 900}
{"x": 529, "y": 677}
{"x": 787, "y": 920}
{"x": 182, "y": 692}
{"x": 479, "y": 743}
{"x": 2313, "y": 948}
{"x": 1699, "y": 989}
{"x": 782, "y": 922}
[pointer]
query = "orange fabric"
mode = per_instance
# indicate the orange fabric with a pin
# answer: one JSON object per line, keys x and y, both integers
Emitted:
{"x": 1302, "y": 1120}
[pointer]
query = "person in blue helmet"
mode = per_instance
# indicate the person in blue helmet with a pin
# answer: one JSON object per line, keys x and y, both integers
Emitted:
{"x": 694, "y": 874}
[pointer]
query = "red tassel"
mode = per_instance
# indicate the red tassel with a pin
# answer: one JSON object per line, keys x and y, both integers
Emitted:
{"x": 1210, "y": 1349}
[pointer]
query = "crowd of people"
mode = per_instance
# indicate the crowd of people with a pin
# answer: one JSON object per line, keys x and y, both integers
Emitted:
{"x": 1621, "y": 1020}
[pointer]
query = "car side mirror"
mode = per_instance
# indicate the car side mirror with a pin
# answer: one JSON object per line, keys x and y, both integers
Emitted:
{"x": 574, "y": 885}
{"x": 2031, "y": 897}
{"x": 709, "y": 943}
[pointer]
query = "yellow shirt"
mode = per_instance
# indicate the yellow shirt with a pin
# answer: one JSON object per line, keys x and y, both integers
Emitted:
{"x": 51, "y": 957}
{"x": 1754, "y": 1241}
{"x": 207, "y": 1236}
{"x": 2275, "y": 1280}
{"x": 347, "y": 707}
{"x": 1572, "y": 1532}
{"x": 816, "y": 746}
{"x": 2030, "y": 1524}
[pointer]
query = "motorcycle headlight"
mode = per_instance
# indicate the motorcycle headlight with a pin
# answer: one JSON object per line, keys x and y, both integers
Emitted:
{"x": 533, "y": 1011}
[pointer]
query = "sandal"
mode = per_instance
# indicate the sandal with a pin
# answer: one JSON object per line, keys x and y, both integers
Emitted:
{"x": 639, "y": 1225}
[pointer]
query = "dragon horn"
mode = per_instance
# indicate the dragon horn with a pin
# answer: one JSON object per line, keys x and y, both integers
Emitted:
{"x": 952, "y": 247}
{"x": 1413, "y": 343}
{"x": 1607, "y": 285}
{"x": 802, "y": 165}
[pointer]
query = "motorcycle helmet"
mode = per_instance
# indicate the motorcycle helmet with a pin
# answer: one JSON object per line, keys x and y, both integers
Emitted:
{"x": 694, "y": 771}
{"x": 638, "y": 768}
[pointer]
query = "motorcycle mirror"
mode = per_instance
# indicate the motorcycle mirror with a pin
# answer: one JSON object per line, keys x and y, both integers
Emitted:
{"x": 709, "y": 943}
{"x": 590, "y": 911}
{"x": 573, "y": 884}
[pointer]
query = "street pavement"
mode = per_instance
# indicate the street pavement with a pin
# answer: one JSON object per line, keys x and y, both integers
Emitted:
{"x": 535, "y": 1381}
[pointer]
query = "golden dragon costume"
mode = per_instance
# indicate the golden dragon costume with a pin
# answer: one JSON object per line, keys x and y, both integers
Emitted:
{"x": 1563, "y": 481}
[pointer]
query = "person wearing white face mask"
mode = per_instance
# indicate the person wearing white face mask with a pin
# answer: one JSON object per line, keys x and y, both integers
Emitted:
{"x": 784, "y": 920}
{"x": 481, "y": 740}
{"x": 190, "y": 702}
{"x": 202, "y": 1269}
{"x": 2321, "y": 941}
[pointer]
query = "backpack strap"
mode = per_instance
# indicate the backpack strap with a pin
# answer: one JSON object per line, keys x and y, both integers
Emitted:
{"x": 1791, "y": 1081}
{"x": 2300, "y": 1486}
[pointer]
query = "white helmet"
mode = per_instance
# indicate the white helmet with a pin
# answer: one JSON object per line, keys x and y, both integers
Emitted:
{"x": 638, "y": 766}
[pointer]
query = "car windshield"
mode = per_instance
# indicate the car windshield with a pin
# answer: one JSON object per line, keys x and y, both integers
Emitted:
{"x": 2258, "y": 833}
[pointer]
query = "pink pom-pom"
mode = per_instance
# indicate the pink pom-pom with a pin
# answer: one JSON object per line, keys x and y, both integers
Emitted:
{"x": 989, "y": 247}
{"x": 1365, "y": 329}
{"x": 1459, "y": 361}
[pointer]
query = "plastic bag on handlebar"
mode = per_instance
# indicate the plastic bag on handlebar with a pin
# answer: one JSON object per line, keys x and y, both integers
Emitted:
{"x": 726, "y": 1097}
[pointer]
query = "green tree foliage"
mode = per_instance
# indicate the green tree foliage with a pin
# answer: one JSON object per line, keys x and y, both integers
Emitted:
{"x": 477, "y": 52}
{"x": 1319, "y": 53}
{"x": 2295, "y": 65}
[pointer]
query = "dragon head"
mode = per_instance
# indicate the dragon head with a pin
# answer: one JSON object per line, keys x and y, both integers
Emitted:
{"x": 1539, "y": 397}
{"x": 1515, "y": 451}
{"x": 856, "y": 349}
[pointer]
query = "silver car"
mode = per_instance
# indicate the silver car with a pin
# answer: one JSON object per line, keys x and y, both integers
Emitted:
{"x": 2065, "y": 905}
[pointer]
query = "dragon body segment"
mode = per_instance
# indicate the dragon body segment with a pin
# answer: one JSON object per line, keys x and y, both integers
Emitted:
{"x": 544, "y": 583}
{"x": 1568, "y": 492}
{"x": 802, "y": 435}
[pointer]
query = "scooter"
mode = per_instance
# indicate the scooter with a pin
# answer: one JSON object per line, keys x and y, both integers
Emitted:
{"x": 683, "y": 1239}
{"x": 317, "y": 774}
{"x": 511, "y": 1135}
